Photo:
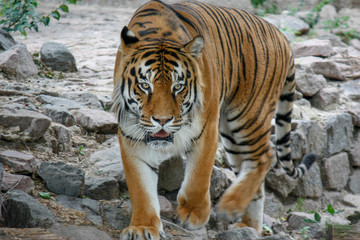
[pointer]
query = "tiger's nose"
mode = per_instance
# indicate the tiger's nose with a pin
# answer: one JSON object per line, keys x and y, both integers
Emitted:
{"x": 162, "y": 120}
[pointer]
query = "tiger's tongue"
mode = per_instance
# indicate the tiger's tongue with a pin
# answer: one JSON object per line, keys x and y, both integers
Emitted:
{"x": 161, "y": 134}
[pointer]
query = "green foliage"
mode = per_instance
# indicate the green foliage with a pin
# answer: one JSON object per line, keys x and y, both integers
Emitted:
{"x": 81, "y": 150}
{"x": 264, "y": 8}
{"x": 299, "y": 205}
{"x": 304, "y": 232}
{"x": 21, "y": 15}
{"x": 313, "y": 17}
{"x": 45, "y": 195}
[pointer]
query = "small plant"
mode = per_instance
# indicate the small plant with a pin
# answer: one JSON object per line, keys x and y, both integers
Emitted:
{"x": 299, "y": 205}
{"x": 304, "y": 232}
{"x": 20, "y": 15}
{"x": 313, "y": 17}
{"x": 266, "y": 8}
{"x": 45, "y": 195}
{"x": 81, "y": 150}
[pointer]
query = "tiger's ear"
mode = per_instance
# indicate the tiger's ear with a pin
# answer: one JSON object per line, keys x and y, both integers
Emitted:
{"x": 128, "y": 37}
{"x": 195, "y": 46}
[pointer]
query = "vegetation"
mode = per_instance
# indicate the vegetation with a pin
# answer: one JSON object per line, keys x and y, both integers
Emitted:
{"x": 21, "y": 15}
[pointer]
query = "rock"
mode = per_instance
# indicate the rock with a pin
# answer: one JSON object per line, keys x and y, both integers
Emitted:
{"x": 355, "y": 43}
{"x": 102, "y": 188}
{"x": 17, "y": 182}
{"x": 326, "y": 99}
{"x": 108, "y": 163}
{"x": 59, "y": 102}
{"x": 61, "y": 178}
{"x": 309, "y": 83}
{"x": 352, "y": 89}
{"x": 20, "y": 210}
{"x": 17, "y": 62}
{"x": 308, "y": 137}
{"x": 354, "y": 181}
{"x": 339, "y": 129}
{"x": 96, "y": 120}
{"x": 312, "y": 47}
{"x": 19, "y": 162}
{"x": 63, "y": 137}
{"x": 245, "y": 233}
{"x": 310, "y": 185}
{"x": 1, "y": 183}
{"x": 296, "y": 221}
{"x": 279, "y": 236}
{"x": 28, "y": 233}
{"x": 171, "y": 174}
{"x": 334, "y": 39}
{"x": 117, "y": 215}
{"x": 219, "y": 182}
{"x": 57, "y": 57}
{"x": 352, "y": 200}
{"x": 6, "y": 40}
{"x": 32, "y": 124}
{"x": 59, "y": 114}
{"x": 174, "y": 231}
{"x": 88, "y": 99}
{"x": 89, "y": 206}
{"x": 335, "y": 171}
{"x": 328, "y": 12}
{"x": 326, "y": 67}
{"x": 273, "y": 206}
{"x": 290, "y": 23}
{"x": 278, "y": 177}
{"x": 74, "y": 232}
{"x": 355, "y": 152}
{"x": 166, "y": 207}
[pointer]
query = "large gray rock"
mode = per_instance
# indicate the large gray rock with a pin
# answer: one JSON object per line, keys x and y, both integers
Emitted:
{"x": 278, "y": 177}
{"x": 19, "y": 162}
{"x": 88, "y": 99}
{"x": 339, "y": 129}
{"x": 290, "y": 23}
{"x": 354, "y": 181}
{"x": 89, "y": 206}
{"x": 63, "y": 137}
{"x": 96, "y": 120}
{"x": 21, "y": 210}
{"x": 355, "y": 43}
{"x": 310, "y": 185}
{"x": 245, "y": 233}
{"x": 74, "y": 232}
{"x": 312, "y": 47}
{"x": 296, "y": 221}
{"x": 117, "y": 215}
{"x": 59, "y": 114}
{"x": 61, "y": 178}
{"x": 326, "y": 99}
{"x": 335, "y": 171}
{"x": 17, "y": 62}
{"x": 355, "y": 152}
{"x": 352, "y": 89}
{"x": 273, "y": 205}
{"x": 219, "y": 182}
{"x": 57, "y": 57}
{"x": 32, "y": 124}
{"x": 171, "y": 174}
{"x": 6, "y": 40}
{"x": 102, "y": 188}
{"x": 309, "y": 83}
{"x": 59, "y": 102}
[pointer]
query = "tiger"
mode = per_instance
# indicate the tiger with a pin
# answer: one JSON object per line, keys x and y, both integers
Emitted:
{"x": 187, "y": 74}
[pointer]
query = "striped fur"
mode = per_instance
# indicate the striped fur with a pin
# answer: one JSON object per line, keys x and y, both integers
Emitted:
{"x": 184, "y": 74}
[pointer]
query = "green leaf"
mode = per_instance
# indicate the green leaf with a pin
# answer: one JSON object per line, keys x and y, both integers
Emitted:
{"x": 330, "y": 209}
{"x": 45, "y": 195}
{"x": 308, "y": 220}
{"x": 55, "y": 14}
{"x": 64, "y": 8}
{"x": 317, "y": 217}
{"x": 71, "y": 1}
{"x": 45, "y": 20}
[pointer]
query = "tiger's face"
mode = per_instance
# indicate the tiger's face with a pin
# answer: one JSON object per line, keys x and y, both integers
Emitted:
{"x": 157, "y": 92}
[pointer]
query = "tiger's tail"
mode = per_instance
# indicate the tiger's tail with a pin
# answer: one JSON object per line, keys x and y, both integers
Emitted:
{"x": 283, "y": 128}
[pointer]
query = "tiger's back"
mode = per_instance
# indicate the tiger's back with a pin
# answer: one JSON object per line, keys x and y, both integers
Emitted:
{"x": 194, "y": 71}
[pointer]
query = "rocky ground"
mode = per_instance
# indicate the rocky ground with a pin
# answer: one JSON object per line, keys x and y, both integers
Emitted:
{"x": 61, "y": 172}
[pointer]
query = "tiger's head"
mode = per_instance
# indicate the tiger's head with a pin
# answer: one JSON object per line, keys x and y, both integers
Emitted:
{"x": 157, "y": 88}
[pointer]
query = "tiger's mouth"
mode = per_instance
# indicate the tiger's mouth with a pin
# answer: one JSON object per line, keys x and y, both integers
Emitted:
{"x": 161, "y": 135}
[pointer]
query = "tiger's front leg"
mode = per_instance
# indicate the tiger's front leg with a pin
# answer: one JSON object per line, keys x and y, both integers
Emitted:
{"x": 194, "y": 203}
{"x": 142, "y": 180}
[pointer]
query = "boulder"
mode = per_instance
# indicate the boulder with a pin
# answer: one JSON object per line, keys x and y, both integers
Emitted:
{"x": 310, "y": 185}
{"x": 17, "y": 182}
{"x": 171, "y": 174}
{"x": 88, "y": 99}
{"x": 278, "y": 177}
{"x": 63, "y": 137}
{"x": 117, "y": 215}
{"x": 166, "y": 208}
{"x": 80, "y": 232}
{"x": 309, "y": 83}
{"x": 59, "y": 102}
{"x": 20, "y": 210}
{"x": 96, "y": 120}
{"x": 355, "y": 152}
{"x": 102, "y": 188}
{"x": 219, "y": 182}
{"x": 335, "y": 171}
{"x": 6, "y": 40}
{"x": 352, "y": 89}
{"x": 354, "y": 181}
{"x": 312, "y": 47}
{"x": 290, "y": 23}
{"x": 296, "y": 221}
{"x": 352, "y": 200}
{"x": 355, "y": 43}
{"x": 32, "y": 124}
{"x": 17, "y": 62}
{"x": 59, "y": 114}
{"x": 57, "y": 57}
{"x": 339, "y": 130}
{"x": 245, "y": 233}
{"x": 61, "y": 178}
{"x": 19, "y": 162}
{"x": 326, "y": 99}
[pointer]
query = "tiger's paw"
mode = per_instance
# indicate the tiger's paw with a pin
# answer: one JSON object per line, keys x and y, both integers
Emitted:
{"x": 192, "y": 216}
{"x": 141, "y": 233}
{"x": 231, "y": 206}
